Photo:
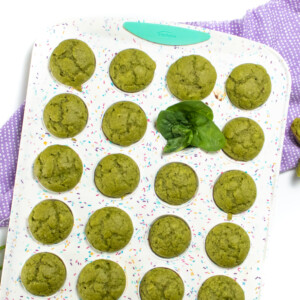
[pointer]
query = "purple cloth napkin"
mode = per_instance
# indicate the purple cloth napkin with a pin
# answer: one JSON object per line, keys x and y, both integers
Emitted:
{"x": 276, "y": 24}
{"x": 10, "y": 135}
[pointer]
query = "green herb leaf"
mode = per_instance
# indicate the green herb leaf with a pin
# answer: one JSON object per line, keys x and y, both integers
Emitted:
{"x": 189, "y": 123}
{"x": 208, "y": 137}
{"x": 196, "y": 119}
{"x": 177, "y": 144}
{"x": 167, "y": 120}
{"x": 193, "y": 106}
{"x": 175, "y": 128}
{"x": 182, "y": 138}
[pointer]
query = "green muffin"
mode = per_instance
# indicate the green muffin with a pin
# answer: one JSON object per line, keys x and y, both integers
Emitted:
{"x": 51, "y": 221}
{"x": 221, "y": 287}
{"x": 101, "y": 279}
{"x": 58, "y": 168}
{"x": 72, "y": 63}
{"x": 109, "y": 229}
{"x": 248, "y": 86}
{"x": 65, "y": 115}
{"x": 169, "y": 236}
{"x": 124, "y": 123}
{"x": 234, "y": 192}
{"x": 191, "y": 77}
{"x": 161, "y": 284}
{"x": 176, "y": 183}
{"x": 244, "y": 139}
{"x": 295, "y": 127}
{"x": 227, "y": 245}
{"x": 132, "y": 70}
{"x": 117, "y": 175}
{"x": 43, "y": 274}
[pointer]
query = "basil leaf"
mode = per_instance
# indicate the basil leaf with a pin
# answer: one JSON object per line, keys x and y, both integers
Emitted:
{"x": 181, "y": 130}
{"x": 193, "y": 106}
{"x": 189, "y": 123}
{"x": 178, "y": 143}
{"x": 167, "y": 119}
{"x": 208, "y": 137}
{"x": 196, "y": 119}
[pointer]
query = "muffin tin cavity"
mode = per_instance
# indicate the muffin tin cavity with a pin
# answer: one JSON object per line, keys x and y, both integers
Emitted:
{"x": 161, "y": 283}
{"x": 109, "y": 229}
{"x": 191, "y": 78}
{"x": 72, "y": 63}
{"x": 169, "y": 236}
{"x": 101, "y": 279}
{"x": 50, "y": 221}
{"x": 244, "y": 139}
{"x": 117, "y": 175}
{"x": 43, "y": 274}
{"x": 234, "y": 192}
{"x": 176, "y": 183}
{"x": 58, "y": 168}
{"x": 248, "y": 86}
{"x": 132, "y": 70}
{"x": 222, "y": 288}
{"x": 227, "y": 245}
{"x": 65, "y": 115}
{"x": 124, "y": 123}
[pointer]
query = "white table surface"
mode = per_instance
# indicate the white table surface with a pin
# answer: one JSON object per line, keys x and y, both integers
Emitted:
{"x": 22, "y": 21}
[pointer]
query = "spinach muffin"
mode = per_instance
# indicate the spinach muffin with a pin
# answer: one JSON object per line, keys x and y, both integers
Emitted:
{"x": 295, "y": 127}
{"x": 117, "y": 175}
{"x": 43, "y": 274}
{"x": 244, "y": 139}
{"x": 298, "y": 169}
{"x": 65, "y": 115}
{"x": 132, "y": 70}
{"x": 248, "y": 86}
{"x": 51, "y": 221}
{"x": 191, "y": 77}
{"x": 234, "y": 192}
{"x": 176, "y": 183}
{"x": 227, "y": 245}
{"x": 101, "y": 279}
{"x": 72, "y": 63}
{"x": 124, "y": 123}
{"x": 58, "y": 168}
{"x": 161, "y": 284}
{"x": 169, "y": 236}
{"x": 221, "y": 287}
{"x": 109, "y": 229}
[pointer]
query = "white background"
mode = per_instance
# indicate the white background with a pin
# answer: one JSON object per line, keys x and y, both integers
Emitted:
{"x": 21, "y": 22}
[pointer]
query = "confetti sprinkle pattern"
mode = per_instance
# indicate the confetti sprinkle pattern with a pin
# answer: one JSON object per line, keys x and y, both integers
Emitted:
{"x": 106, "y": 38}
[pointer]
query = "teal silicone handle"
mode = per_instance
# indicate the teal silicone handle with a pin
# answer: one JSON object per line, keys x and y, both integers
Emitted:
{"x": 166, "y": 34}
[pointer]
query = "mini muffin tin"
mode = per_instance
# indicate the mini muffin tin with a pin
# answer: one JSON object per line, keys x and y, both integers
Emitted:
{"x": 106, "y": 38}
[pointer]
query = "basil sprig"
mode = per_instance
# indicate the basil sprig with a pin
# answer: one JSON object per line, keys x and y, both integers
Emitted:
{"x": 189, "y": 123}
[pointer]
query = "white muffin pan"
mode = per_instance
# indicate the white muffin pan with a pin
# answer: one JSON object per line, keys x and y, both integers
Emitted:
{"x": 106, "y": 38}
